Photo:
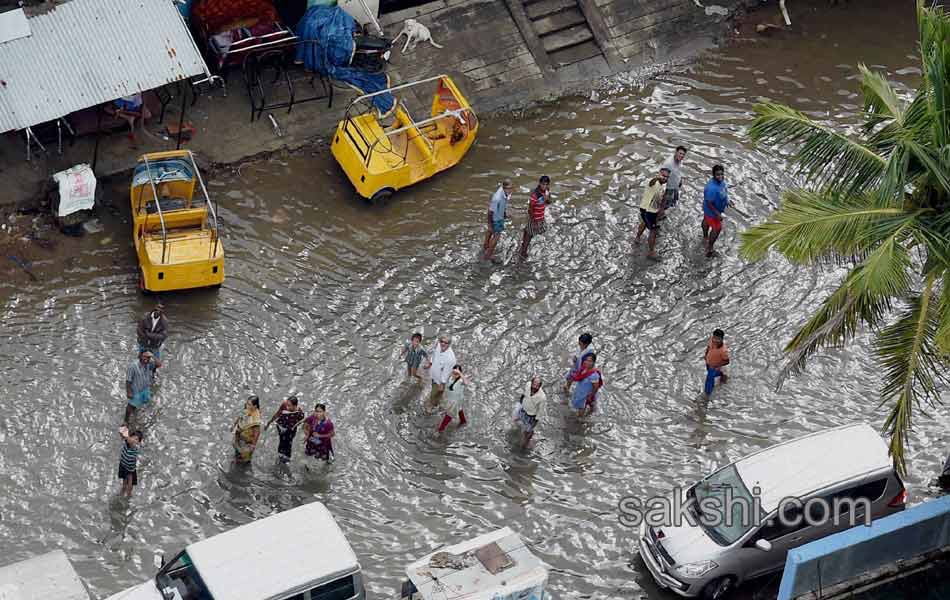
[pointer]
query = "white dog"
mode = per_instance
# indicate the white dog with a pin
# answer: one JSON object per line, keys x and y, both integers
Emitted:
{"x": 415, "y": 32}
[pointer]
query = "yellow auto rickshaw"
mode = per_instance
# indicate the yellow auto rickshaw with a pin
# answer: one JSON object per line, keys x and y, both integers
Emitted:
{"x": 379, "y": 160}
{"x": 174, "y": 224}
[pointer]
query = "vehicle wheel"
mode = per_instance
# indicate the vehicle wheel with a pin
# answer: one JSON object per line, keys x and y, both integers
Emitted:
{"x": 718, "y": 589}
{"x": 382, "y": 196}
{"x": 142, "y": 287}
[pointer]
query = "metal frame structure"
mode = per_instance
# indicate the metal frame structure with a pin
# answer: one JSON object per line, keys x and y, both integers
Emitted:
{"x": 212, "y": 207}
{"x": 256, "y": 63}
{"x": 413, "y": 124}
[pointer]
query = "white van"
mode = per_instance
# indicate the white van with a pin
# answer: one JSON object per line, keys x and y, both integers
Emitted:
{"x": 493, "y": 566}
{"x": 49, "y": 575}
{"x": 299, "y": 554}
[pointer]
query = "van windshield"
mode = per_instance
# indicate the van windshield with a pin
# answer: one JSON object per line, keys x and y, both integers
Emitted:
{"x": 181, "y": 580}
{"x": 725, "y": 507}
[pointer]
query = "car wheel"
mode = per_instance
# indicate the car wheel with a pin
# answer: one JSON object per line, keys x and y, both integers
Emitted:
{"x": 718, "y": 589}
{"x": 382, "y": 196}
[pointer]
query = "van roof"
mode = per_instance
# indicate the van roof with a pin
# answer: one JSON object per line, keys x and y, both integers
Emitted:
{"x": 49, "y": 575}
{"x": 268, "y": 557}
{"x": 803, "y": 465}
{"x": 493, "y": 565}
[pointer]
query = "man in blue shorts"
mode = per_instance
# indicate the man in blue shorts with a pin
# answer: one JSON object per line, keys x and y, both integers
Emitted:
{"x": 497, "y": 208}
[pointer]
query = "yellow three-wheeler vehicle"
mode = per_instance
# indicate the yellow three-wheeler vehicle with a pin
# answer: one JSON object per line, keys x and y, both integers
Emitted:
{"x": 378, "y": 161}
{"x": 175, "y": 229}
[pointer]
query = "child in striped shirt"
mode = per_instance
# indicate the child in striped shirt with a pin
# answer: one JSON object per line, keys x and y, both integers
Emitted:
{"x": 128, "y": 460}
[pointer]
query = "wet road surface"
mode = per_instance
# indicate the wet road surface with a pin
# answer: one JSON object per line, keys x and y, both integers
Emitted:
{"x": 322, "y": 290}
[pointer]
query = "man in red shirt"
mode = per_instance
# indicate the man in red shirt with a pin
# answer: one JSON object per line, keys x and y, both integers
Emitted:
{"x": 540, "y": 199}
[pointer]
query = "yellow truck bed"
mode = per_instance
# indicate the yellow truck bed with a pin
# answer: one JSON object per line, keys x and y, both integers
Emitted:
{"x": 182, "y": 247}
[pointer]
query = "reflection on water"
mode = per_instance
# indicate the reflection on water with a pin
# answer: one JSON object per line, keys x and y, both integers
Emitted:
{"x": 322, "y": 290}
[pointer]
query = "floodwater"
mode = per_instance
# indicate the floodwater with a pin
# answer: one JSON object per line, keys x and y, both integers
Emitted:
{"x": 321, "y": 291}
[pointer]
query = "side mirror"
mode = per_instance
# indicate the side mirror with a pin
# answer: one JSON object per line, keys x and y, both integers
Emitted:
{"x": 763, "y": 545}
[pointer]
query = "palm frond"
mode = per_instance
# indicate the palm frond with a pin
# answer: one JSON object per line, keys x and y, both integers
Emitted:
{"x": 811, "y": 225}
{"x": 934, "y": 167}
{"x": 943, "y": 312}
{"x": 915, "y": 124}
{"x": 934, "y": 26}
{"x": 931, "y": 232}
{"x": 881, "y": 101}
{"x": 824, "y": 156}
{"x": 886, "y": 269}
{"x": 835, "y": 323}
{"x": 907, "y": 351}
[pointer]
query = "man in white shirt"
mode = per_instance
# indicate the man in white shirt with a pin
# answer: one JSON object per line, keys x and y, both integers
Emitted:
{"x": 441, "y": 361}
{"x": 675, "y": 183}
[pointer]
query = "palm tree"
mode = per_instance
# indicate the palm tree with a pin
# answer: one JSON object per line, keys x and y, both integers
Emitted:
{"x": 879, "y": 203}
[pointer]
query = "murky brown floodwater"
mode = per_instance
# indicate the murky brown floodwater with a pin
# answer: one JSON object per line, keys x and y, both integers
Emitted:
{"x": 321, "y": 291}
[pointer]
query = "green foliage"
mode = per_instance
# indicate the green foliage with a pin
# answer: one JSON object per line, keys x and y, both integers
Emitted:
{"x": 881, "y": 205}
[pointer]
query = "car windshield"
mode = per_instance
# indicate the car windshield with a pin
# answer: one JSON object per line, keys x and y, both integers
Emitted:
{"x": 182, "y": 580}
{"x": 725, "y": 507}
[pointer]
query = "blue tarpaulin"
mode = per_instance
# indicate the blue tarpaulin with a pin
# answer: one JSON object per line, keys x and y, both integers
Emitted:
{"x": 328, "y": 33}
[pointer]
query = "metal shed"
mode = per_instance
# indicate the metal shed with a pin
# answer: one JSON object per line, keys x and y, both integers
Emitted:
{"x": 41, "y": 578}
{"x": 86, "y": 52}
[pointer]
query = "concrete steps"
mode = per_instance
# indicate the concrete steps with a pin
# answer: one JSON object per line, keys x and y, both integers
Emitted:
{"x": 563, "y": 30}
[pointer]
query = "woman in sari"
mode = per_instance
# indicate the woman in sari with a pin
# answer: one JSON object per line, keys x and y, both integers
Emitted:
{"x": 288, "y": 417}
{"x": 319, "y": 431}
{"x": 589, "y": 381}
{"x": 247, "y": 430}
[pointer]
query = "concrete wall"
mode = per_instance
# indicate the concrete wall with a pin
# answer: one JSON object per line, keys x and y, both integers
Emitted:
{"x": 499, "y": 51}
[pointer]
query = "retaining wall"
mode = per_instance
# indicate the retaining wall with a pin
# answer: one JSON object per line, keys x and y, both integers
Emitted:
{"x": 505, "y": 51}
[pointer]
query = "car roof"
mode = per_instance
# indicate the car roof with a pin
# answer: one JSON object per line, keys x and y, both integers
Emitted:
{"x": 49, "y": 575}
{"x": 280, "y": 553}
{"x": 494, "y": 565}
{"x": 803, "y": 465}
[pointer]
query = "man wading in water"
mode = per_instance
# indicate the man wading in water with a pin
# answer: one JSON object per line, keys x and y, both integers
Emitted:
{"x": 138, "y": 382}
{"x": 539, "y": 200}
{"x": 152, "y": 331}
{"x": 716, "y": 357}
{"x": 715, "y": 200}
{"x": 650, "y": 208}
{"x": 440, "y": 364}
{"x": 675, "y": 182}
{"x": 497, "y": 213}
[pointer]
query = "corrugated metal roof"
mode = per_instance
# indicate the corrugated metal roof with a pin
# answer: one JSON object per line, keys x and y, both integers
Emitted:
{"x": 86, "y": 52}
